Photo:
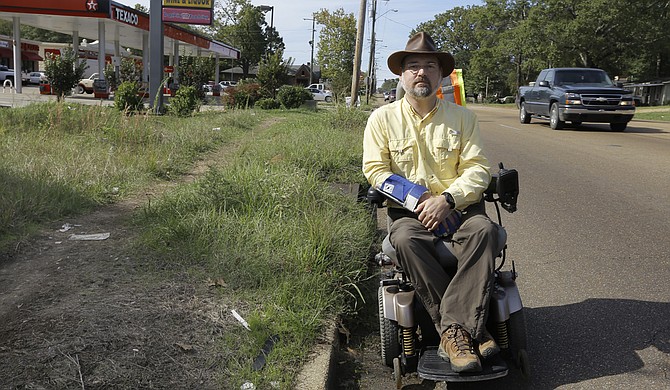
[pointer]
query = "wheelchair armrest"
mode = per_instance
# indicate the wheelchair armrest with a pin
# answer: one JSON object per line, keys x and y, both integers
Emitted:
{"x": 375, "y": 197}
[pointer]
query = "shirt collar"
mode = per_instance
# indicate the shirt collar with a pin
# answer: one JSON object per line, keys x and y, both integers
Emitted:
{"x": 408, "y": 107}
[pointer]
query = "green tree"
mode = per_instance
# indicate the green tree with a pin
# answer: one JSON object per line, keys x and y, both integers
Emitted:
{"x": 273, "y": 73}
{"x": 599, "y": 33}
{"x": 243, "y": 26}
{"x": 505, "y": 43}
{"x": 63, "y": 72}
{"x": 454, "y": 31}
{"x": 388, "y": 85}
{"x": 195, "y": 72}
{"x": 336, "y": 48}
{"x": 142, "y": 8}
{"x": 34, "y": 33}
{"x": 129, "y": 71}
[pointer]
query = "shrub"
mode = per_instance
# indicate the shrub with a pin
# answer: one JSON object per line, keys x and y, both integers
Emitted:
{"x": 268, "y": 104}
{"x": 293, "y": 96}
{"x": 185, "y": 102}
{"x": 127, "y": 98}
{"x": 63, "y": 72}
{"x": 243, "y": 95}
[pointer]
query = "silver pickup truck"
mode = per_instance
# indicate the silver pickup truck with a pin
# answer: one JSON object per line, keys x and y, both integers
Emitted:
{"x": 6, "y": 74}
{"x": 576, "y": 95}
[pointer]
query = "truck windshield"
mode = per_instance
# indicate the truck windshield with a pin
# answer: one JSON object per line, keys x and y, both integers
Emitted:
{"x": 588, "y": 77}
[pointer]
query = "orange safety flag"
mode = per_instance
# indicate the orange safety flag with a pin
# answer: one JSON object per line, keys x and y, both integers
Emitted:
{"x": 453, "y": 88}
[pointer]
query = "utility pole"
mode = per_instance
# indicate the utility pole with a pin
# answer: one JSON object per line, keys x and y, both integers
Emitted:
{"x": 311, "y": 43}
{"x": 357, "y": 56}
{"x": 370, "y": 83}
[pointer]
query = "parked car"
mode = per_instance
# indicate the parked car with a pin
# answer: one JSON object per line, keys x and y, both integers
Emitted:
{"x": 227, "y": 84}
{"x": 391, "y": 97}
{"x": 36, "y": 77}
{"x": 506, "y": 99}
{"x": 86, "y": 85}
{"x": 321, "y": 95}
{"x": 320, "y": 87}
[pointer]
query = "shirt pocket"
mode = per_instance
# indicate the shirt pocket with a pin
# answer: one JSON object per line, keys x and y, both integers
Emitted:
{"x": 402, "y": 154}
{"x": 446, "y": 152}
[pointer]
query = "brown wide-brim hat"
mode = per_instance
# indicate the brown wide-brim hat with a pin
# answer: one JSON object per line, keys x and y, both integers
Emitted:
{"x": 421, "y": 43}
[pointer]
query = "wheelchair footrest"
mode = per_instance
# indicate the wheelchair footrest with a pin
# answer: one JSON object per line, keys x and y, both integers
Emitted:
{"x": 433, "y": 367}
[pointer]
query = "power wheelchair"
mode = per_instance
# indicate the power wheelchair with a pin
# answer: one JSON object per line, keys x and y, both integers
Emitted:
{"x": 409, "y": 340}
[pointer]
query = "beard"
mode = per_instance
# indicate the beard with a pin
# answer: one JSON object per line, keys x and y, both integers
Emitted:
{"x": 420, "y": 92}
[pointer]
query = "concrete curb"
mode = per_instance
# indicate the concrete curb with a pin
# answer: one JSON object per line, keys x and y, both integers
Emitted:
{"x": 316, "y": 374}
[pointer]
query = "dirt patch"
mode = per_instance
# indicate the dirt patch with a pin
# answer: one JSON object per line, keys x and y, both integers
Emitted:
{"x": 91, "y": 315}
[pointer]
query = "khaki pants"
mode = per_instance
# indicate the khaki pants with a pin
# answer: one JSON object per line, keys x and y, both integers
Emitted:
{"x": 461, "y": 298}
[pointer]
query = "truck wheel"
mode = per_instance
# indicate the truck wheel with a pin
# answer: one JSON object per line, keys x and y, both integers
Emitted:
{"x": 524, "y": 117}
{"x": 554, "y": 121}
{"x": 618, "y": 126}
{"x": 79, "y": 89}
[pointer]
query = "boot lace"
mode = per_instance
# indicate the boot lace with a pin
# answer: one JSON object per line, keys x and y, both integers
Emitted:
{"x": 459, "y": 338}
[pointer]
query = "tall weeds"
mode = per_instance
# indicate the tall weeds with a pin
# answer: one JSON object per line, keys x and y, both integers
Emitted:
{"x": 289, "y": 248}
{"x": 61, "y": 159}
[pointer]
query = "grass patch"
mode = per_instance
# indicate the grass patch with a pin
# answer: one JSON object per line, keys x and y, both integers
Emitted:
{"x": 288, "y": 247}
{"x": 62, "y": 159}
{"x": 653, "y": 113}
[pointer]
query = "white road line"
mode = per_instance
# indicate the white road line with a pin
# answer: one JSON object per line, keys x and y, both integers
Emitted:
{"x": 511, "y": 127}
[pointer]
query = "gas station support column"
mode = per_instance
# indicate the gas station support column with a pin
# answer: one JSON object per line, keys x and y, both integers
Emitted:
{"x": 156, "y": 59}
{"x": 75, "y": 46}
{"x": 17, "y": 54}
{"x": 116, "y": 62}
{"x": 216, "y": 69}
{"x": 102, "y": 49}
{"x": 175, "y": 62}
{"x": 117, "y": 58}
{"x": 145, "y": 57}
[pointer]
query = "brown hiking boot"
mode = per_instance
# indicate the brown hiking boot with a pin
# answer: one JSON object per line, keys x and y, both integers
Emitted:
{"x": 488, "y": 346}
{"x": 456, "y": 346}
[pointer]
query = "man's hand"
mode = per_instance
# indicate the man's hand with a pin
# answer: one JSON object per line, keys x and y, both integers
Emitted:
{"x": 432, "y": 211}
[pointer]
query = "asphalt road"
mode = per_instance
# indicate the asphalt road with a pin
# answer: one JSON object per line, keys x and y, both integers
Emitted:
{"x": 591, "y": 242}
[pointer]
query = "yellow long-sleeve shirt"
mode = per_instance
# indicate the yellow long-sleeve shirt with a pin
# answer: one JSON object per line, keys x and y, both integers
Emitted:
{"x": 441, "y": 151}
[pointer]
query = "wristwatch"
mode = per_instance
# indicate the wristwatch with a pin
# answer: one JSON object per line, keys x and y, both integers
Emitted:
{"x": 450, "y": 200}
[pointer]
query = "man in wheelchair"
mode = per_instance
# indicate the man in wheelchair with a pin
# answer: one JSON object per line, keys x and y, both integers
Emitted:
{"x": 426, "y": 155}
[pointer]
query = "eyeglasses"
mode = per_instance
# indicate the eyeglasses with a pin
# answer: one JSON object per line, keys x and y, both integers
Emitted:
{"x": 429, "y": 67}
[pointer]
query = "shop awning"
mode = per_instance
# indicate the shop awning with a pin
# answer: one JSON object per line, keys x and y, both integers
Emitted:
{"x": 31, "y": 56}
{"x": 26, "y": 55}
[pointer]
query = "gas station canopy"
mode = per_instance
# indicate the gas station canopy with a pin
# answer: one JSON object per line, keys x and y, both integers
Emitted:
{"x": 122, "y": 24}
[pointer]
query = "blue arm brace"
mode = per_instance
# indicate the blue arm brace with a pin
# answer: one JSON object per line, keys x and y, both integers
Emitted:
{"x": 403, "y": 191}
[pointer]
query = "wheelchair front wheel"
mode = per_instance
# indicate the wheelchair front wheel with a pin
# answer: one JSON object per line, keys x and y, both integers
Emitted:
{"x": 388, "y": 330}
{"x": 518, "y": 342}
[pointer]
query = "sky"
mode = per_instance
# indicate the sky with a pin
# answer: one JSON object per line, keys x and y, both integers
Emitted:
{"x": 391, "y": 28}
